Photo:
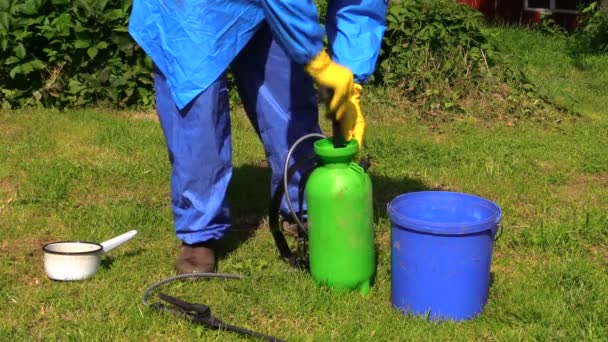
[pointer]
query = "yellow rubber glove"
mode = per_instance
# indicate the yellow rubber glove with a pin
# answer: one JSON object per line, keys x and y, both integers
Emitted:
{"x": 336, "y": 78}
{"x": 353, "y": 123}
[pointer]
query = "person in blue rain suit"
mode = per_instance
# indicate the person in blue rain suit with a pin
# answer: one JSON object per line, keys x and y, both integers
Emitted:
{"x": 275, "y": 51}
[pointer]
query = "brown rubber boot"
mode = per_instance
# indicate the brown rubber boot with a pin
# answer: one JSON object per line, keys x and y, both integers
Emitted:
{"x": 196, "y": 258}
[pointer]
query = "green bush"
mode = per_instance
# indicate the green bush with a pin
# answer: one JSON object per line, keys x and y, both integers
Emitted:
{"x": 322, "y": 8}
{"x": 62, "y": 53}
{"x": 433, "y": 45}
{"x": 592, "y": 36}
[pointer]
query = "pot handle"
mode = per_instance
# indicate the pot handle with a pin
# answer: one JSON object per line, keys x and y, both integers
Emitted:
{"x": 117, "y": 241}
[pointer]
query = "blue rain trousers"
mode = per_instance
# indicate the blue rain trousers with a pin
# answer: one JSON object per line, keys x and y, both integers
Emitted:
{"x": 280, "y": 101}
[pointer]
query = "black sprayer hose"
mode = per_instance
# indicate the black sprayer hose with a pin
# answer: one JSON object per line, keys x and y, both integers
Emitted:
{"x": 243, "y": 331}
{"x": 292, "y": 258}
{"x": 286, "y": 178}
{"x": 154, "y": 286}
{"x": 275, "y": 230}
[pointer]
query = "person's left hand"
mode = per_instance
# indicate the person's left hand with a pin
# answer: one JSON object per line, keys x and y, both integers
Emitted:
{"x": 352, "y": 122}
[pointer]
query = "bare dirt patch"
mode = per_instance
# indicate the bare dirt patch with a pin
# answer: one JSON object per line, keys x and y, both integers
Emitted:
{"x": 599, "y": 253}
{"x": 147, "y": 115}
{"x": 516, "y": 266}
{"x": 8, "y": 192}
{"x": 585, "y": 179}
{"x": 25, "y": 259}
{"x": 7, "y": 188}
{"x": 581, "y": 186}
{"x": 11, "y": 131}
{"x": 23, "y": 246}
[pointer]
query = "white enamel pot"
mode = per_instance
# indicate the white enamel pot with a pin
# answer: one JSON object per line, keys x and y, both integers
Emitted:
{"x": 77, "y": 260}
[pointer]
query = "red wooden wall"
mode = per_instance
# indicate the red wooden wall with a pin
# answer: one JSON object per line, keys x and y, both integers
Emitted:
{"x": 512, "y": 11}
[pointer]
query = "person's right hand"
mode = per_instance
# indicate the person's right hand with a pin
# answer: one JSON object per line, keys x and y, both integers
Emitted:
{"x": 337, "y": 79}
{"x": 353, "y": 122}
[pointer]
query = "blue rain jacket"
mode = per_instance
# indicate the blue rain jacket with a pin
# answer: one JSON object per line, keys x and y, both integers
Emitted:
{"x": 192, "y": 42}
{"x": 355, "y": 29}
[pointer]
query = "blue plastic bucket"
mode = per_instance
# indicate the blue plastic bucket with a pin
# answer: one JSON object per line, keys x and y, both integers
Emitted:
{"x": 441, "y": 253}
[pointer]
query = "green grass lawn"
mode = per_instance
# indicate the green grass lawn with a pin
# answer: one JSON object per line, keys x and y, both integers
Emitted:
{"x": 93, "y": 174}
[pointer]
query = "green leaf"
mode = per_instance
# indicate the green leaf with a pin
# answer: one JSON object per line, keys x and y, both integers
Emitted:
{"x": 37, "y": 64}
{"x": 11, "y": 60}
{"x": 102, "y": 45}
{"x": 92, "y": 52}
{"x": 14, "y": 71}
{"x": 20, "y": 35}
{"x": 81, "y": 44}
{"x": 37, "y": 95}
{"x": 78, "y": 28}
{"x": 26, "y": 68}
{"x": 5, "y": 21}
{"x": 19, "y": 50}
{"x": 30, "y": 7}
{"x": 104, "y": 75}
{"x": 114, "y": 14}
{"x": 101, "y": 4}
{"x": 75, "y": 86}
{"x": 5, "y": 5}
{"x": 85, "y": 4}
{"x": 62, "y": 24}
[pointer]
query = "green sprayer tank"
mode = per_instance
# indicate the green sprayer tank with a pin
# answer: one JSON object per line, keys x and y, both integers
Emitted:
{"x": 340, "y": 219}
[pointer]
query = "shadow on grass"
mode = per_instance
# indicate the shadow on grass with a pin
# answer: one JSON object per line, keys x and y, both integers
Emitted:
{"x": 107, "y": 261}
{"x": 249, "y": 196}
{"x": 386, "y": 189}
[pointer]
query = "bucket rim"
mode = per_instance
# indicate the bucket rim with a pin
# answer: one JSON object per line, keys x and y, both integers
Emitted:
{"x": 491, "y": 223}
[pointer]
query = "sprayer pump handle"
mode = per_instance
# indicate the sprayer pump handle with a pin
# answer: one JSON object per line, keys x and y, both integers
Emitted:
{"x": 325, "y": 95}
